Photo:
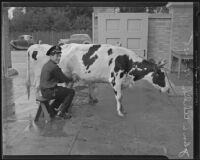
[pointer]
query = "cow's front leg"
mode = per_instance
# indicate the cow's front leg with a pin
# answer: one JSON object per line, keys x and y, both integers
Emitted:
{"x": 92, "y": 96}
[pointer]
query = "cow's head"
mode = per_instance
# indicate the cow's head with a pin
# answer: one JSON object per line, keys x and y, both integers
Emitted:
{"x": 152, "y": 72}
{"x": 158, "y": 78}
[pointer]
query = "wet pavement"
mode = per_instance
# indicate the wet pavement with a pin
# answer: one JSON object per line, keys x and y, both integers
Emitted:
{"x": 152, "y": 126}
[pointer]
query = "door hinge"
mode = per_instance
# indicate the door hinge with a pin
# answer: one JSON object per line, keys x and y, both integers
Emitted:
{"x": 144, "y": 52}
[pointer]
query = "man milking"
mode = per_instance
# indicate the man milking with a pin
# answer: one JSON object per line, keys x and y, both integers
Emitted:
{"x": 51, "y": 75}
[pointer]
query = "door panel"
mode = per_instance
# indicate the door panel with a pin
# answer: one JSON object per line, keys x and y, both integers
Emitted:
{"x": 129, "y": 29}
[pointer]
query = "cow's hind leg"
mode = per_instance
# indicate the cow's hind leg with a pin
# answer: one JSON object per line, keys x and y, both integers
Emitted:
{"x": 116, "y": 83}
{"x": 92, "y": 96}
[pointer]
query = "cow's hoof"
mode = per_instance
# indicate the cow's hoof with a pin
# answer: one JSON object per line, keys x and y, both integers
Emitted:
{"x": 124, "y": 112}
{"x": 93, "y": 101}
{"x": 121, "y": 114}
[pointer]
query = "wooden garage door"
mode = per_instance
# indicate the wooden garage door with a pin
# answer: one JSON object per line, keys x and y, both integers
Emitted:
{"x": 129, "y": 29}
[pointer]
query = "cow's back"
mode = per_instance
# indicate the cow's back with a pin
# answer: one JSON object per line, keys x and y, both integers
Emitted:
{"x": 92, "y": 62}
{"x": 37, "y": 55}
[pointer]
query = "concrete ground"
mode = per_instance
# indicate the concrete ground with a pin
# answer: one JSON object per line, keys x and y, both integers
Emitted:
{"x": 153, "y": 124}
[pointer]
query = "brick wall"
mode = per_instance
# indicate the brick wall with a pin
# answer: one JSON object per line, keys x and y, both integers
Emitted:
{"x": 159, "y": 37}
{"x": 181, "y": 27}
{"x": 182, "y": 24}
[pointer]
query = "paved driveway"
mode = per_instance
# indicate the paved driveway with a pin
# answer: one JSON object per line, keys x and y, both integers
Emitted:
{"x": 152, "y": 126}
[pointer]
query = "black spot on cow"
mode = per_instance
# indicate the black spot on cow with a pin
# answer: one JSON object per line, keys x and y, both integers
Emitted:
{"x": 123, "y": 63}
{"x": 112, "y": 74}
{"x": 110, "y": 61}
{"x": 140, "y": 69}
{"x": 113, "y": 80}
{"x": 121, "y": 74}
{"x": 115, "y": 92}
{"x": 89, "y": 71}
{"x": 87, "y": 59}
{"x": 34, "y": 55}
{"x": 110, "y": 51}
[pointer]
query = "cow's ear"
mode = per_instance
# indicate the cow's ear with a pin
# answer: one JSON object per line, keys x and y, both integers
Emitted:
{"x": 162, "y": 63}
{"x": 130, "y": 64}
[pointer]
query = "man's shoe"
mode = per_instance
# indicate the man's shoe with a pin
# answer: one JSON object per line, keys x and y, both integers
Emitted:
{"x": 58, "y": 117}
{"x": 53, "y": 115}
{"x": 63, "y": 116}
{"x": 67, "y": 115}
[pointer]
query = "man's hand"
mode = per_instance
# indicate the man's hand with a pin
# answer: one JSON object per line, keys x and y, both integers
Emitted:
{"x": 75, "y": 77}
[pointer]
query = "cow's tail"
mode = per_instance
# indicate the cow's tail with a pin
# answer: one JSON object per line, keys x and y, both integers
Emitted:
{"x": 28, "y": 78}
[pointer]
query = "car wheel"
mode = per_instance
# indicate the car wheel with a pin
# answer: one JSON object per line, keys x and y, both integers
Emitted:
{"x": 86, "y": 42}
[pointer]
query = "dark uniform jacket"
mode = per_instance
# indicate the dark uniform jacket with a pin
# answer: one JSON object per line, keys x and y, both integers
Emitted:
{"x": 51, "y": 75}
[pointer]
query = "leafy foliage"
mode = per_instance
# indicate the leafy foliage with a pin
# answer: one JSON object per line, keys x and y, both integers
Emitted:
{"x": 51, "y": 18}
{"x": 62, "y": 18}
{"x": 162, "y": 9}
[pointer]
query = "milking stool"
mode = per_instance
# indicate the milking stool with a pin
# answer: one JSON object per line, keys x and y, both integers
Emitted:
{"x": 43, "y": 109}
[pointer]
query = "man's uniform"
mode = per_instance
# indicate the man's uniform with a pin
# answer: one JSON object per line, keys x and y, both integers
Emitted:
{"x": 51, "y": 75}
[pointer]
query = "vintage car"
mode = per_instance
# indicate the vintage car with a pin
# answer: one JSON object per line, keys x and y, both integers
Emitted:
{"x": 76, "y": 38}
{"x": 23, "y": 42}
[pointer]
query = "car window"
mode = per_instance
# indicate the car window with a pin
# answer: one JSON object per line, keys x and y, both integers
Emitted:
{"x": 21, "y": 37}
{"x": 73, "y": 36}
{"x": 80, "y": 36}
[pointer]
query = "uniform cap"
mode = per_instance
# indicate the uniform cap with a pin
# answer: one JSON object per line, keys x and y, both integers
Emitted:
{"x": 54, "y": 50}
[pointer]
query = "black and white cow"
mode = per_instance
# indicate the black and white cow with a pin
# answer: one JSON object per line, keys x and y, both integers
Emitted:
{"x": 104, "y": 63}
{"x": 36, "y": 58}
